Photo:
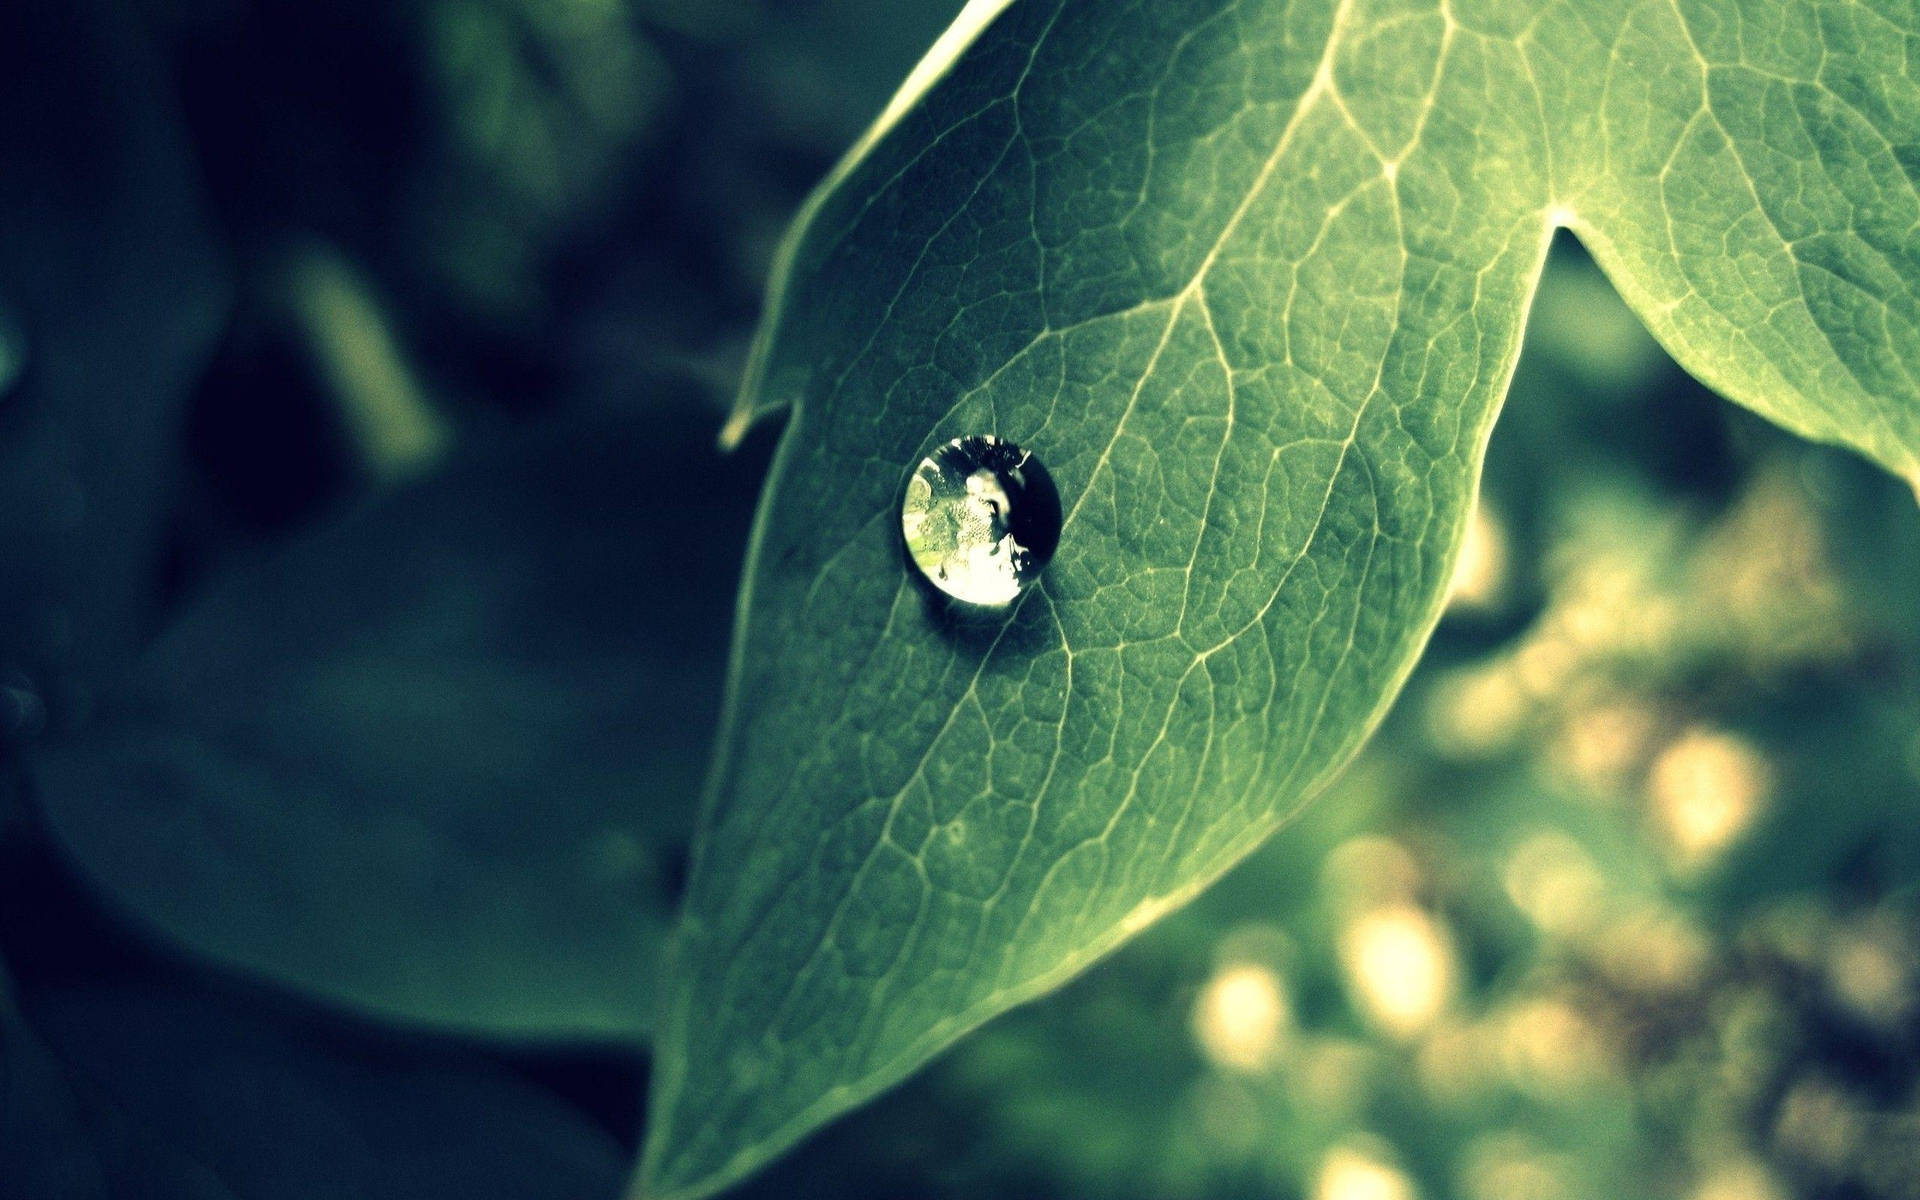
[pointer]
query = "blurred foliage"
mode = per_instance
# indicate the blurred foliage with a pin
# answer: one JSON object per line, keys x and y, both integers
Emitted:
{"x": 322, "y": 328}
{"x": 1619, "y": 902}
{"x": 436, "y": 760}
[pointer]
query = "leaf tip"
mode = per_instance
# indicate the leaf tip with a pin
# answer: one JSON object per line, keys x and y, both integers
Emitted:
{"x": 731, "y": 435}
{"x": 746, "y": 413}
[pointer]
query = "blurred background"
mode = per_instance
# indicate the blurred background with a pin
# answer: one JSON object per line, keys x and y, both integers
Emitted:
{"x": 365, "y": 569}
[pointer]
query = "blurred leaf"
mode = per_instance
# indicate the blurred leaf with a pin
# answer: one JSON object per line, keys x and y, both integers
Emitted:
{"x": 438, "y": 760}
{"x": 1250, "y": 279}
{"x": 397, "y": 429}
{"x": 546, "y": 109}
{"x": 110, "y": 294}
{"x": 182, "y": 1095}
{"x": 828, "y": 67}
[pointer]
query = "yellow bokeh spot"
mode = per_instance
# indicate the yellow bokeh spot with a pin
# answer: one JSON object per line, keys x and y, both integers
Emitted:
{"x": 1350, "y": 1175}
{"x": 1602, "y": 743}
{"x": 1868, "y": 966}
{"x": 1706, "y": 789}
{"x": 1546, "y": 663}
{"x": 1654, "y": 950}
{"x": 1551, "y": 1047}
{"x": 1478, "y": 712}
{"x": 1480, "y": 573}
{"x": 1399, "y": 963}
{"x": 1506, "y": 1165}
{"x": 1818, "y": 1122}
{"x": 1762, "y": 576}
{"x": 1365, "y": 872}
{"x": 1742, "y": 1180}
{"x": 1551, "y": 879}
{"x": 1242, "y": 1017}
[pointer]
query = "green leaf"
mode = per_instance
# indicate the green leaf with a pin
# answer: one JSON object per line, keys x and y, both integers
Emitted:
{"x": 1250, "y": 278}
{"x": 438, "y": 761}
{"x": 111, "y": 292}
{"x": 181, "y": 1094}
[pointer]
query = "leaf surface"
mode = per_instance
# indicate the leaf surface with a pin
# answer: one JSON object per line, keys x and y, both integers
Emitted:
{"x": 1250, "y": 278}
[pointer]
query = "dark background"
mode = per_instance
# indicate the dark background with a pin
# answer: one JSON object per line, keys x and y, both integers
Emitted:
{"x": 365, "y": 550}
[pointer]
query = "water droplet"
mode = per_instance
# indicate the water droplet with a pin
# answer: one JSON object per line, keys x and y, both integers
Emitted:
{"x": 981, "y": 518}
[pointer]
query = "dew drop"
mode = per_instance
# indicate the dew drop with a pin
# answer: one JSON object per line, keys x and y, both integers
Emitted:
{"x": 981, "y": 518}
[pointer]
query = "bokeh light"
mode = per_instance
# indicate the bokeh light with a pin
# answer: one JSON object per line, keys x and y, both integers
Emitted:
{"x": 1400, "y": 967}
{"x": 1349, "y": 1174}
{"x": 1242, "y": 1017}
{"x": 1705, "y": 790}
{"x": 1480, "y": 573}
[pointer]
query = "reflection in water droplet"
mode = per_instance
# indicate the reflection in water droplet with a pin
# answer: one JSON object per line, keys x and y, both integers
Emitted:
{"x": 981, "y": 518}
